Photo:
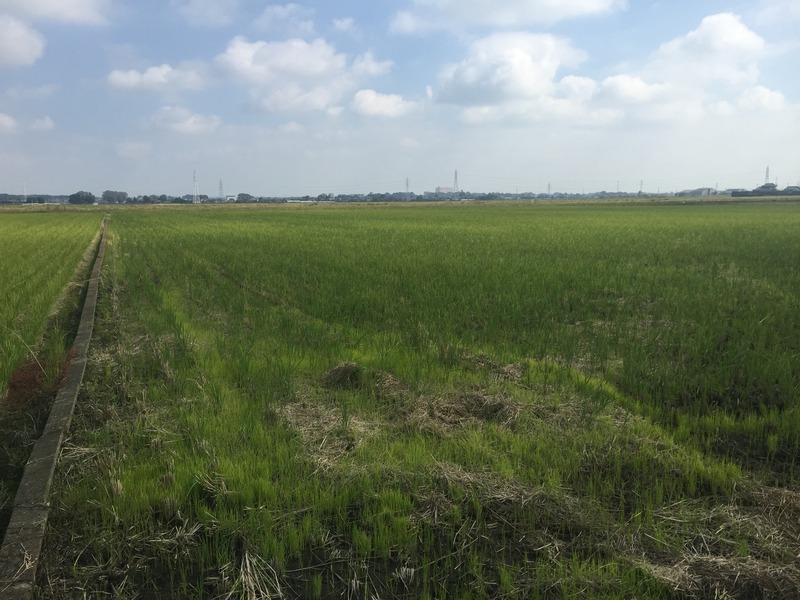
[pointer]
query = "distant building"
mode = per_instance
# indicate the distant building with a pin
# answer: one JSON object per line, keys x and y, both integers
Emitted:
{"x": 697, "y": 192}
{"x": 769, "y": 189}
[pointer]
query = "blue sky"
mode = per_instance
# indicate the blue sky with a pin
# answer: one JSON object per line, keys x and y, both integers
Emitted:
{"x": 336, "y": 97}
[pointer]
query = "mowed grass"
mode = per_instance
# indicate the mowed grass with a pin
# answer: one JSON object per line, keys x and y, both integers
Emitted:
{"x": 452, "y": 401}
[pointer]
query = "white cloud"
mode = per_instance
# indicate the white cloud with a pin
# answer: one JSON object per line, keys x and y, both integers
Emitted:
{"x": 722, "y": 49}
{"x": 514, "y": 77}
{"x": 577, "y": 88}
{"x": 296, "y": 75}
{"x": 181, "y": 120}
{"x": 721, "y": 108}
{"x": 20, "y": 45}
{"x": 408, "y": 23}
{"x": 678, "y": 109}
{"x": 430, "y": 14}
{"x": 374, "y": 104}
{"x": 159, "y": 78}
{"x": 631, "y": 96}
{"x": 630, "y": 88}
{"x": 292, "y": 19}
{"x": 91, "y": 12}
{"x": 262, "y": 63}
{"x": 43, "y": 124}
{"x": 292, "y": 127}
{"x": 761, "y": 98}
{"x": 207, "y": 13}
{"x": 7, "y": 123}
{"x": 345, "y": 24}
{"x": 367, "y": 65}
{"x": 507, "y": 66}
{"x": 293, "y": 97}
{"x": 778, "y": 11}
{"x": 711, "y": 71}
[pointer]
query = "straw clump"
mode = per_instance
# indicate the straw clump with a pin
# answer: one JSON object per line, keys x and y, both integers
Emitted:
{"x": 346, "y": 375}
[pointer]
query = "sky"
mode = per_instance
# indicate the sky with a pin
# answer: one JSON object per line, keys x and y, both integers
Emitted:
{"x": 306, "y": 98}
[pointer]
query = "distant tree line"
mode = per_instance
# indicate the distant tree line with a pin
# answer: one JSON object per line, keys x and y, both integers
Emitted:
{"x": 31, "y": 199}
{"x": 82, "y": 198}
{"x": 110, "y": 197}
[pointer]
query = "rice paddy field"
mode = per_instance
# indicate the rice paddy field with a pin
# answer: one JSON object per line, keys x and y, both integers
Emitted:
{"x": 41, "y": 253}
{"x": 448, "y": 401}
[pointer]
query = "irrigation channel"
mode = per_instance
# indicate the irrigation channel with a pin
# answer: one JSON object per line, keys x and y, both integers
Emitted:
{"x": 19, "y": 554}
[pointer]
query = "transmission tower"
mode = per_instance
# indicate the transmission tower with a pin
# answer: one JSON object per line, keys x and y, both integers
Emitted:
{"x": 196, "y": 197}
{"x": 221, "y": 191}
{"x": 766, "y": 179}
{"x": 455, "y": 181}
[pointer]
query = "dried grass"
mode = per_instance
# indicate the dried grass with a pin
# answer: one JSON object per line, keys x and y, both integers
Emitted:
{"x": 719, "y": 577}
{"x": 445, "y": 413}
{"x": 747, "y": 548}
{"x": 482, "y": 362}
{"x": 326, "y": 433}
{"x": 388, "y": 386}
{"x": 346, "y": 375}
{"x": 256, "y": 579}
